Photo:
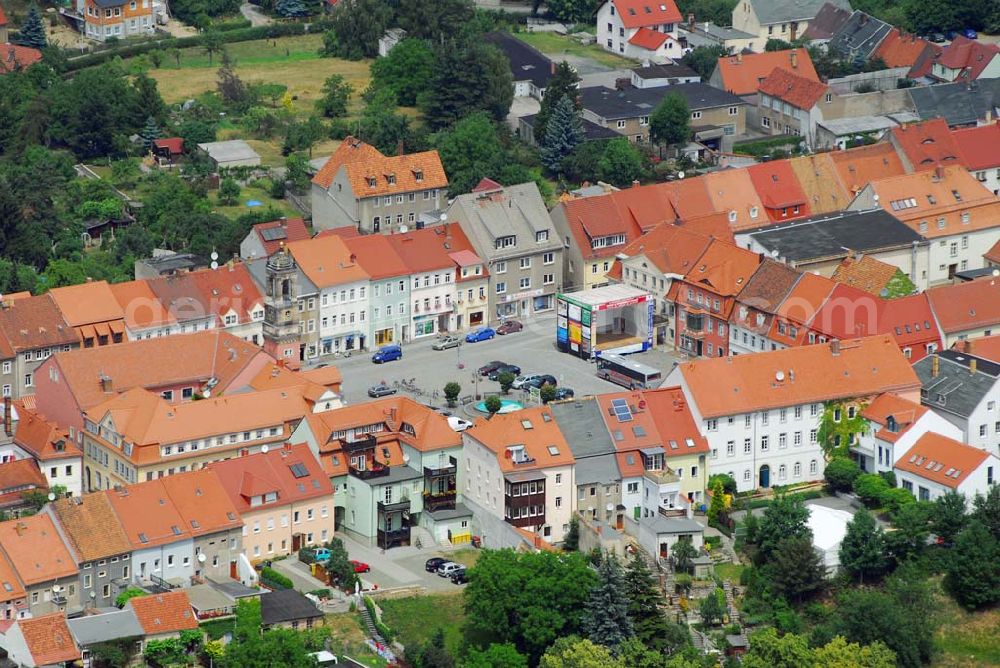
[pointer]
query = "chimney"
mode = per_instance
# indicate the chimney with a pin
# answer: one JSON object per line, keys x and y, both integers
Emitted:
{"x": 938, "y": 173}
{"x": 8, "y": 417}
{"x": 739, "y": 57}
{"x": 935, "y": 366}
{"x": 835, "y": 347}
{"x": 691, "y": 22}
{"x": 635, "y": 184}
{"x": 20, "y": 528}
{"x": 794, "y": 56}
{"x": 400, "y": 149}
{"x": 107, "y": 385}
{"x": 552, "y": 67}
{"x": 972, "y": 366}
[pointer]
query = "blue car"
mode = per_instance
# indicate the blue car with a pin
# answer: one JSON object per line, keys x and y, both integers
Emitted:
{"x": 387, "y": 354}
{"x": 481, "y": 334}
{"x": 970, "y": 33}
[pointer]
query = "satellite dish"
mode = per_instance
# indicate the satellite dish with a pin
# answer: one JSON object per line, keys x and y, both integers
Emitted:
{"x": 774, "y": 253}
{"x": 403, "y": 229}
{"x": 264, "y": 448}
{"x": 52, "y": 496}
{"x": 214, "y": 255}
{"x": 995, "y": 272}
{"x": 201, "y": 557}
{"x": 779, "y": 376}
{"x": 875, "y": 197}
{"x": 206, "y": 393}
{"x": 214, "y": 265}
{"x": 406, "y": 458}
{"x": 444, "y": 217}
{"x": 680, "y": 175}
{"x": 93, "y": 594}
{"x": 884, "y": 292}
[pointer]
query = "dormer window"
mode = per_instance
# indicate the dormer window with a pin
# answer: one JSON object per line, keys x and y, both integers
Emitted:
{"x": 418, "y": 175}
{"x": 391, "y": 179}
{"x": 372, "y": 182}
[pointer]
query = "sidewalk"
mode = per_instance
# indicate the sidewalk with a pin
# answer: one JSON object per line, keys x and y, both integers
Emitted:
{"x": 299, "y": 574}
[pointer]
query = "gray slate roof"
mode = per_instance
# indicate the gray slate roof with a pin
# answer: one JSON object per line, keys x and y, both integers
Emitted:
{"x": 671, "y": 71}
{"x": 526, "y": 62}
{"x": 859, "y": 36}
{"x": 460, "y": 510}
{"x": 614, "y": 104}
{"x": 827, "y": 235}
{"x": 93, "y": 629}
{"x": 828, "y": 20}
{"x": 286, "y": 605}
{"x": 958, "y": 103}
{"x": 660, "y": 524}
{"x": 954, "y": 390}
{"x": 582, "y": 424}
{"x": 782, "y": 11}
{"x": 591, "y": 131}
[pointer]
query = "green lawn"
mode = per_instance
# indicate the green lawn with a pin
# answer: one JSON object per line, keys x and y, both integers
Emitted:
{"x": 466, "y": 556}
{"x": 966, "y": 640}
{"x": 552, "y": 44}
{"x": 254, "y": 52}
{"x": 252, "y": 193}
{"x": 415, "y": 619}
{"x": 729, "y": 571}
{"x": 348, "y": 637}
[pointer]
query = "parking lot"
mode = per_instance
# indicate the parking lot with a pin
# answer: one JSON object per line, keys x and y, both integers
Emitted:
{"x": 533, "y": 349}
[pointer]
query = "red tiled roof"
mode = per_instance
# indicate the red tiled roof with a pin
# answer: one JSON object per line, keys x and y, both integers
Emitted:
{"x": 169, "y": 612}
{"x": 290, "y": 229}
{"x": 346, "y": 232}
{"x": 18, "y": 477}
{"x": 993, "y": 254}
{"x": 534, "y": 429}
{"x": 49, "y": 639}
{"x": 969, "y": 55}
{"x": 927, "y": 145}
{"x": 867, "y": 273}
{"x": 35, "y": 550}
{"x": 672, "y": 249}
{"x": 798, "y": 91}
{"x": 778, "y": 188}
{"x": 858, "y": 166}
{"x": 723, "y": 268}
{"x": 274, "y": 466}
{"x": 674, "y": 421}
{"x": 640, "y": 13}
{"x": 173, "y": 144}
{"x": 350, "y": 149}
{"x": 742, "y": 74}
{"x": 979, "y": 147}
{"x": 377, "y": 256}
{"x": 648, "y": 39}
{"x": 902, "y": 50}
{"x": 986, "y": 347}
{"x": 14, "y": 56}
{"x": 43, "y": 439}
{"x": 424, "y": 250}
{"x": 903, "y": 412}
{"x": 486, "y": 184}
{"x": 3, "y": 17}
{"x": 942, "y": 460}
{"x": 965, "y": 306}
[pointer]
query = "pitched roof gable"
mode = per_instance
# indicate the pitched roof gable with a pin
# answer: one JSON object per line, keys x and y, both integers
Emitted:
{"x": 534, "y": 429}
{"x": 169, "y": 612}
{"x": 742, "y": 73}
{"x": 798, "y": 91}
{"x": 267, "y": 470}
{"x": 349, "y": 150}
{"x": 48, "y": 639}
{"x": 277, "y": 233}
{"x": 942, "y": 460}
{"x": 92, "y": 527}
{"x": 644, "y": 13}
{"x": 35, "y": 549}
{"x": 927, "y": 145}
{"x": 327, "y": 261}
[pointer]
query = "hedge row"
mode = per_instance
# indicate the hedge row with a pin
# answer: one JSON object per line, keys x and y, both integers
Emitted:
{"x": 274, "y": 579}
{"x": 227, "y": 37}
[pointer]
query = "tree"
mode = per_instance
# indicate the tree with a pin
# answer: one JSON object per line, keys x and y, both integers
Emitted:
{"x": 32, "y": 33}
{"x": 571, "y": 540}
{"x": 986, "y": 509}
{"x": 651, "y": 626}
{"x": 718, "y": 503}
{"x": 493, "y": 404}
{"x": 164, "y": 651}
{"x": 571, "y": 11}
{"x": 895, "y": 498}
{"x": 506, "y": 380}
{"x": 768, "y": 650}
{"x": 146, "y": 102}
{"x": 904, "y": 624}
{"x": 229, "y": 192}
{"x": 504, "y": 654}
{"x": 150, "y": 133}
{"x": 973, "y": 567}
{"x": 565, "y": 82}
{"x": 271, "y": 91}
{"x": 929, "y": 16}
{"x": 870, "y": 487}
{"x": 777, "y": 45}
{"x": 712, "y": 609}
{"x": 704, "y": 59}
{"x": 406, "y": 71}
{"x": 670, "y": 121}
{"x": 728, "y": 484}
{"x": 297, "y": 171}
{"x": 434, "y": 20}
{"x": 336, "y": 93}
{"x": 528, "y": 599}
{"x": 547, "y": 392}
{"x": 231, "y": 88}
{"x": 303, "y": 136}
{"x": 469, "y": 77}
{"x": 841, "y": 473}
{"x": 607, "y": 620}
{"x": 838, "y": 653}
{"x": 451, "y": 392}
{"x": 863, "y": 550}
{"x": 572, "y": 652}
{"x": 621, "y": 163}
{"x": 837, "y": 430}
{"x": 434, "y": 655}
{"x": 563, "y": 134}
{"x": 786, "y": 517}
{"x": 469, "y": 151}
{"x": 212, "y": 42}
{"x": 356, "y": 27}
{"x": 796, "y": 569}
{"x": 684, "y": 554}
{"x": 340, "y": 567}
{"x": 911, "y": 524}
{"x": 948, "y": 517}
{"x": 381, "y": 126}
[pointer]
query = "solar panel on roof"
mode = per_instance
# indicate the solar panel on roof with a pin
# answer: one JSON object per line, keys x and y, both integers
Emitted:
{"x": 299, "y": 470}
{"x": 274, "y": 233}
{"x": 621, "y": 409}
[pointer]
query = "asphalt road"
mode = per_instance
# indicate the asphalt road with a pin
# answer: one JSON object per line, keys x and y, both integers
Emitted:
{"x": 533, "y": 349}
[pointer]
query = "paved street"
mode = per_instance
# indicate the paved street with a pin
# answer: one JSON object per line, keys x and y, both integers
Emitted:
{"x": 533, "y": 349}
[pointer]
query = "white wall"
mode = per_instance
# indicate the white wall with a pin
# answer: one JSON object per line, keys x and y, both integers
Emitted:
{"x": 181, "y": 553}
{"x": 335, "y": 304}
{"x": 435, "y": 288}
{"x": 868, "y": 445}
{"x": 976, "y": 483}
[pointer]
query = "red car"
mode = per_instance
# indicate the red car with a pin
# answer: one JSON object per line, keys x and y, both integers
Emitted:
{"x": 509, "y": 327}
{"x": 360, "y": 566}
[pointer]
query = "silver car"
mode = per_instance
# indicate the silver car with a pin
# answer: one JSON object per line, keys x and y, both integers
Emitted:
{"x": 447, "y": 568}
{"x": 447, "y": 342}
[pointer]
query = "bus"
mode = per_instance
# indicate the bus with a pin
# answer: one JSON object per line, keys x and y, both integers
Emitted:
{"x": 625, "y": 372}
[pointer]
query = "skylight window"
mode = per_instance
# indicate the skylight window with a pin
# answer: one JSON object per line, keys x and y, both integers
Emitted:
{"x": 527, "y": 424}
{"x": 299, "y": 470}
{"x": 553, "y": 450}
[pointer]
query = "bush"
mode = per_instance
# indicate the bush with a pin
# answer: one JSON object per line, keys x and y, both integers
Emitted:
{"x": 870, "y": 487}
{"x": 841, "y": 473}
{"x": 274, "y": 579}
{"x": 383, "y": 630}
{"x": 217, "y": 628}
{"x": 124, "y": 597}
{"x": 895, "y": 498}
{"x": 320, "y": 593}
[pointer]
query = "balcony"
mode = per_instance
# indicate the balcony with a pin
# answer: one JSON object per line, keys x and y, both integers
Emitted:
{"x": 663, "y": 476}
{"x": 366, "y": 442}
{"x": 440, "y": 500}
{"x": 393, "y": 538}
{"x": 431, "y": 472}
{"x": 400, "y": 506}
{"x": 376, "y": 471}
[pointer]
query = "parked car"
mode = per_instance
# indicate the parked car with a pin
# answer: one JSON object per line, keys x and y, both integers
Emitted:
{"x": 481, "y": 334}
{"x": 506, "y": 368}
{"x": 937, "y": 37}
{"x": 563, "y": 393}
{"x": 950, "y": 35}
{"x": 458, "y": 424}
{"x": 387, "y": 354}
{"x": 447, "y": 568}
{"x": 538, "y": 381}
{"x": 490, "y": 367}
{"x": 380, "y": 390}
{"x": 970, "y": 33}
{"x": 446, "y": 342}
{"x": 360, "y": 566}
{"x": 321, "y": 555}
{"x": 459, "y": 576}
{"x": 432, "y": 564}
{"x": 509, "y": 327}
